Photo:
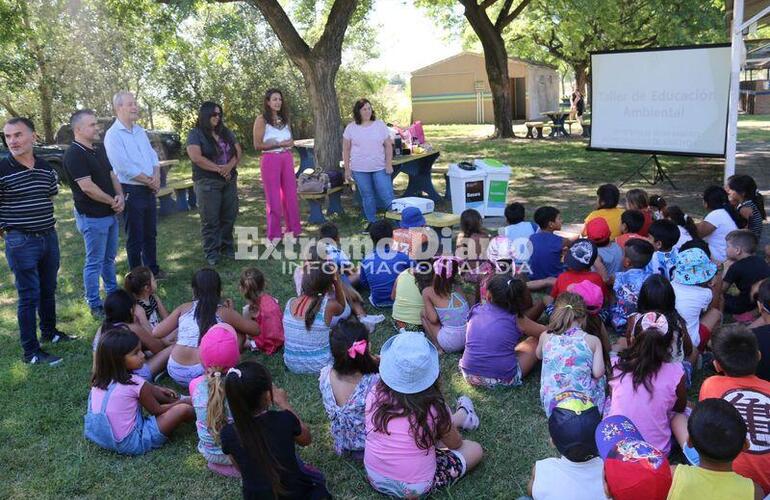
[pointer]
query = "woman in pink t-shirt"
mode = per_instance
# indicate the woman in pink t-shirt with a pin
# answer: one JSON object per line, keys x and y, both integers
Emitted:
{"x": 648, "y": 388}
{"x": 406, "y": 417}
{"x": 367, "y": 154}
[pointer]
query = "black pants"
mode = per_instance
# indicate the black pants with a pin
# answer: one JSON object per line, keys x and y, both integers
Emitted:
{"x": 218, "y": 207}
{"x": 141, "y": 216}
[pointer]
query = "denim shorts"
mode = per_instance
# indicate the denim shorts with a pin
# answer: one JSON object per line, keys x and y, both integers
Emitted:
{"x": 183, "y": 374}
{"x": 144, "y": 437}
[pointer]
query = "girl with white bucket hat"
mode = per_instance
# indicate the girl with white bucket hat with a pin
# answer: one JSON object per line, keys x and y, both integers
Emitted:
{"x": 413, "y": 445}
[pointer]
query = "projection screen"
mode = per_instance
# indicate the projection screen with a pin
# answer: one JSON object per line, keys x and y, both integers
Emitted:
{"x": 670, "y": 100}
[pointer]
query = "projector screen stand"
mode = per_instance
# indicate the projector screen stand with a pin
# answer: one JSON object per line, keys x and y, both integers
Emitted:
{"x": 658, "y": 172}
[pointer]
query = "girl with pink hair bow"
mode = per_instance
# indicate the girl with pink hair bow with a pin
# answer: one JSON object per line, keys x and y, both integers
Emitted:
{"x": 446, "y": 309}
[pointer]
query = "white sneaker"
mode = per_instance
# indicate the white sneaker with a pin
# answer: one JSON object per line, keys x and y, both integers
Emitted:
{"x": 471, "y": 419}
{"x": 371, "y": 321}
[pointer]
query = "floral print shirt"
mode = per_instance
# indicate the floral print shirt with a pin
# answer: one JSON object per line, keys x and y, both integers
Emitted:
{"x": 347, "y": 421}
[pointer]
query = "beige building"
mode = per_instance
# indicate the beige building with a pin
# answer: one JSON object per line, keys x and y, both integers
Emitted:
{"x": 456, "y": 90}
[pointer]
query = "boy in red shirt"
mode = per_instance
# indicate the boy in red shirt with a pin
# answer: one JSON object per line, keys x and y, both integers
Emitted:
{"x": 736, "y": 356}
{"x": 631, "y": 224}
{"x": 579, "y": 259}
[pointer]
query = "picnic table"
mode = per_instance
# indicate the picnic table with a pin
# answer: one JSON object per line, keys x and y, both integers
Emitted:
{"x": 417, "y": 166}
{"x": 558, "y": 118}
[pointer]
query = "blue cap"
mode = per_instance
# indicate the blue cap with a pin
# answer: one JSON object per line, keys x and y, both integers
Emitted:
{"x": 408, "y": 363}
{"x": 412, "y": 217}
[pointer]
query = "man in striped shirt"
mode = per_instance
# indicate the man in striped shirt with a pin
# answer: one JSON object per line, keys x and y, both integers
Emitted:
{"x": 27, "y": 187}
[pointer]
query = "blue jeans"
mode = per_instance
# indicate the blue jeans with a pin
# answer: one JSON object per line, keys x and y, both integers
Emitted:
{"x": 34, "y": 261}
{"x": 141, "y": 217}
{"x": 376, "y": 189}
{"x": 100, "y": 235}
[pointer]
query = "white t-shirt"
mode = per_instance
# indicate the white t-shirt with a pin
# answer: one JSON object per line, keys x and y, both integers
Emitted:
{"x": 723, "y": 223}
{"x": 691, "y": 301}
{"x": 367, "y": 150}
{"x": 558, "y": 478}
{"x": 684, "y": 237}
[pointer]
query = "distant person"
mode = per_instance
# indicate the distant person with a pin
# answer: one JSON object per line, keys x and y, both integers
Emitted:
{"x": 273, "y": 137}
{"x": 367, "y": 155}
{"x": 98, "y": 198}
{"x": 215, "y": 154}
{"x": 27, "y": 188}
{"x": 138, "y": 169}
{"x": 577, "y": 105}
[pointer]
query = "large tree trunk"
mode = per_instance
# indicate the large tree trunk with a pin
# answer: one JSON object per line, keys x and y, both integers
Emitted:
{"x": 319, "y": 81}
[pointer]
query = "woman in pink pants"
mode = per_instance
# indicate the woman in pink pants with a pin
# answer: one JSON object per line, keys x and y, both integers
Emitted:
{"x": 272, "y": 136}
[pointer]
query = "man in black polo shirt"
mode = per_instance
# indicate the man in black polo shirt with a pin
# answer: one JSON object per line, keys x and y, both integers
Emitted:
{"x": 98, "y": 197}
{"x": 27, "y": 187}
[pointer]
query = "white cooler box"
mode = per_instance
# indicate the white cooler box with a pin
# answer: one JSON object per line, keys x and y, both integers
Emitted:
{"x": 425, "y": 205}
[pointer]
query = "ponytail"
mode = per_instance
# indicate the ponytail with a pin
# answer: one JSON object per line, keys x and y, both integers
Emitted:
{"x": 715, "y": 198}
{"x": 138, "y": 278}
{"x": 312, "y": 310}
{"x": 675, "y": 214}
{"x": 216, "y": 417}
{"x": 568, "y": 308}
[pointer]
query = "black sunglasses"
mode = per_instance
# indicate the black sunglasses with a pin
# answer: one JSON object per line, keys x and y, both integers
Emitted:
{"x": 216, "y": 114}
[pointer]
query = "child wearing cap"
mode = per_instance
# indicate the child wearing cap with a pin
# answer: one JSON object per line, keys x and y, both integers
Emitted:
{"x": 631, "y": 224}
{"x": 547, "y": 247}
{"x": 219, "y": 352}
{"x": 577, "y": 473}
{"x": 607, "y": 199}
{"x": 744, "y": 268}
{"x": 696, "y": 302}
{"x": 647, "y": 387}
{"x": 664, "y": 235}
{"x": 344, "y": 385}
{"x": 633, "y": 468}
{"x": 407, "y": 419}
{"x": 411, "y": 235}
{"x": 736, "y": 356}
{"x": 581, "y": 256}
{"x": 718, "y": 433}
{"x": 637, "y": 255}
{"x": 598, "y": 231}
{"x": 573, "y": 360}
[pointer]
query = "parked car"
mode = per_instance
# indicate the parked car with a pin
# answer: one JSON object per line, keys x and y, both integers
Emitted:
{"x": 52, "y": 153}
{"x": 165, "y": 142}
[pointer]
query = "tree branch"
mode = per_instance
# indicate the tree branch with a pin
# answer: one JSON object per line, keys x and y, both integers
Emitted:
{"x": 279, "y": 21}
{"x": 513, "y": 15}
{"x": 503, "y": 12}
{"x": 9, "y": 107}
{"x": 487, "y": 3}
{"x": 336, "y": 25}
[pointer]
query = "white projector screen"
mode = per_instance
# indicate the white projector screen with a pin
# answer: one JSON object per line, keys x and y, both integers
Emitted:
{"x": 672, "y": 100}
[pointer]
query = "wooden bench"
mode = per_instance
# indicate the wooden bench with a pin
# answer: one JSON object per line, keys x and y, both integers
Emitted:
{"x": 433, "y": 219}
{"x": 184, "y": 197}
{"x": 534, "y": 130}
{"x": 314, "y": 203}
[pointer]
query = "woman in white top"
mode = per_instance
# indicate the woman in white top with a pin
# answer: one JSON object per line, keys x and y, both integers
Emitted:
{"x": 721, "y": 219}
{"x": 367, "y": 154}
{"x": 272, "y": 136}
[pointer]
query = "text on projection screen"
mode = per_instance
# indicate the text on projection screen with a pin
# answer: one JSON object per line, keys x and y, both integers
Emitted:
{"x": 664, "y": 100}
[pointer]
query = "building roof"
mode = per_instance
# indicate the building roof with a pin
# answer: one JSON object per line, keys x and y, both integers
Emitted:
{"x": 477, "y": 54}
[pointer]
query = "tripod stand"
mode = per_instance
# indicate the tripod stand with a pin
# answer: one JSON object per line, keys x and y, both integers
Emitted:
{"x": 658, "y": 172}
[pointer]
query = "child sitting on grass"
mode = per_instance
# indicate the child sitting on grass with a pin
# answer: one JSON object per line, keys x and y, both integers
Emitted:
{"x": 633, "y": 468}
{"x": 718, "y": 433}
{"x": 262, "y": 442}
{"x": 379, "y": 269}
{"x": 743, "y": 194}
{"x": 577, "y": 472}
{"x": 472, "y": 242}
{"x": 636, "y": 199}
{"x": 684, "y": 223}
{"x": 547, "y": 247}
{"x": 494, "y": 353}
{"x": 120, "y": 310}
{"x": 598, "y": 232}
{"x": 736, "y": 354}
{"x": 344, "y": 385}
{"x": 664, "y": 235}
{"x": 517, "y": 227}
{"x": 744, "y": 269}
{"x": 628, "y": 283}
{"x": 607, "y": 199}
{"x": 219, "y": 352}
{"x": 631, "y": 223}
{"x": 141, "y": 284}
{"x": 407, "y": 296}
{"x": 411, "y": 235}
{"x": 262, "y": 308}
{"x": 114, "y": 418}
{"x": 580, "y": 257}
{"x": 573, "y": 360}
{"x": 648, "y": 388}
{"x": 761, "y": 328}
{"x": 445, "y": 306}
{"x": 413, "y": 445}
{"x": 696, "y": 301}
{"x": 307, "y": 320}
{"x": 658, "y": 206}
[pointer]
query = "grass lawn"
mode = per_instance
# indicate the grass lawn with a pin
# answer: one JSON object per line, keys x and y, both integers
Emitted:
{"x": 41, "y": 426}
